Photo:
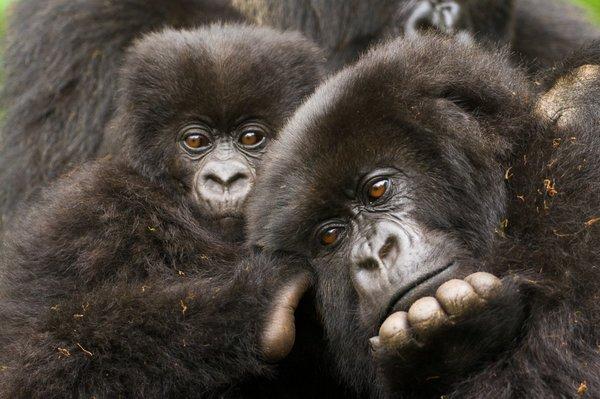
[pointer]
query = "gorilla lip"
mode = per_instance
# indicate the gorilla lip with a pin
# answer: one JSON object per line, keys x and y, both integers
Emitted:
{"x": 403, "y": 293}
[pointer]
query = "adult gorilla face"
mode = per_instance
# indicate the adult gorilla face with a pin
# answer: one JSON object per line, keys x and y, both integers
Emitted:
{"x": 198, "y": 111}
{"x": 391, "y": 253}
{"x": 389, "y": 180}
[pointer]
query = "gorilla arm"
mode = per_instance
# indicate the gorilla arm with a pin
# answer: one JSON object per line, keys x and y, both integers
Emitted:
{"x": 549, "y": 254}
{"x": 554, "y": 187}
{"x": 109, "y": 288}
{"x": 186, "y": 336}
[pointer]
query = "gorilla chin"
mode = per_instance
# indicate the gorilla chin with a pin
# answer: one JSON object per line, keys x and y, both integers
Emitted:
{"x": 423, "y": 286}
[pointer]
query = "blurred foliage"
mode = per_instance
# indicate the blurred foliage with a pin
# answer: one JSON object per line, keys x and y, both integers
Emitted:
{"x": 593, "y": 6}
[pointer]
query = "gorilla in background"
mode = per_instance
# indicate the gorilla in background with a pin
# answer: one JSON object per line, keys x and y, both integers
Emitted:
{"x": 116, "y": 282}
{"x": 452, "y": 216}
{"x": 541, "y": 31}
{"x": 62, "y": 58}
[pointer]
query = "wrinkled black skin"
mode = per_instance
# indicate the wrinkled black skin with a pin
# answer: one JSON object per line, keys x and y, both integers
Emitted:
{"x": 453, "y": 119}
{"x": 118, "y": 267}
{"x": 62, "y": 57}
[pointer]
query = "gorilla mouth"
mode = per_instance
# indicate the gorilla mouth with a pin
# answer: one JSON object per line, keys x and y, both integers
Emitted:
{"x": 229, "y": 215}
{"x": 396, "y": 303}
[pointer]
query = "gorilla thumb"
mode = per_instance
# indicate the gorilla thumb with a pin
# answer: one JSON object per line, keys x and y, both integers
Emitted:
{"x": 278, "y": 338}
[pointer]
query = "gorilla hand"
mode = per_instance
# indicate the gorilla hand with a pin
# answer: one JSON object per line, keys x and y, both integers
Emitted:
{"x": 436, "y": 337}
{"x": 443, "y": 16}
{"x": 280, "y": 333}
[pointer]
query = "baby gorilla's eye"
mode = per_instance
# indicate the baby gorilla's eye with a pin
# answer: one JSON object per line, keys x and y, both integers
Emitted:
{"x": 377, "y": 189}
{"x": 330, "y": 235}
{"x": 251, "y": 138}
{"x": 196, "y": 141}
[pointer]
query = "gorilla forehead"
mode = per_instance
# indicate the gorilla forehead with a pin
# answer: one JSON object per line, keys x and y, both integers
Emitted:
{"x": 389, "y": 110}
{"x": 224, "y": 71}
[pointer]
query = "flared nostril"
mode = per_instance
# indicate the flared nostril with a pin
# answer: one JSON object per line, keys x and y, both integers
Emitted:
{"x": 225, "y": 180}
{"x": 368, "y": 264}
{"x": 424, "y": 24}
{"x": 235, "y": 178}
{"x": 389, "y": 247}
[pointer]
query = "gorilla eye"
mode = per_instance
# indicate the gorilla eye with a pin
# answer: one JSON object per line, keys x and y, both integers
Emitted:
{"x": 251, "y": 138}
{"x": 329, "y": 236}
{"x": 377, "y": 189}
{"x": 196, "y": 141}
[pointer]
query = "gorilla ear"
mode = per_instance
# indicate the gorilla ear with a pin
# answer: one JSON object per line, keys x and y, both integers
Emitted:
{"x": 571, "y": 94}
{"x": 572, "y": 88}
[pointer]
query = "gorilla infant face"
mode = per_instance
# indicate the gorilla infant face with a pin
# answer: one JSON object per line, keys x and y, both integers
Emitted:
{"x": 200, "y": 107}
{"x": 222, "y": 164}
{"x": 389, "y": 179}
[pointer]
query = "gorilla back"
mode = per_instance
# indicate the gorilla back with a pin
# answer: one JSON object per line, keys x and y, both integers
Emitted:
{"x": 452, "y": 224}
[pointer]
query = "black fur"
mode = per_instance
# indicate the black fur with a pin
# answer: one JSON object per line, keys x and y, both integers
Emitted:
{"x": 62, "y": 57}
{"x": 542, "y": 31}
{"x": 61, "y": 63}
{"x": 113, "y": 283}
{"x": 487, "y": 167}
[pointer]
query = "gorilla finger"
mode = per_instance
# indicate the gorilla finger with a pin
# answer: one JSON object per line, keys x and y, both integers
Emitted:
{"x": 280, "y": 333}
{"x": 426, "y": 316}
{"x": 375, "y": 343}
{"x": 395, "y": 331}
{"x": 457, "y": 297}
{"x": 486, "y": 285}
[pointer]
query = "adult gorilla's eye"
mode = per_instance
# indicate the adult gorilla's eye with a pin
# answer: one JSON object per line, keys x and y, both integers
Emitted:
{"x": 251, "y": 138}
{"x": 196, "y": 141}
{"x": 329, "y": 235}
{"x": 377, "y": 189}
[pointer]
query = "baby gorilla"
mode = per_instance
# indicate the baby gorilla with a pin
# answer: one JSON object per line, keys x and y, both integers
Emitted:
{"x": 414, "y": 178}
{"x": 224, "y": 100}
{"x": 117, "y": 282}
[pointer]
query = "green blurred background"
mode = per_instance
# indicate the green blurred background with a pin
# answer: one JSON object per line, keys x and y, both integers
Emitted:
{"x": 592, "y": 5}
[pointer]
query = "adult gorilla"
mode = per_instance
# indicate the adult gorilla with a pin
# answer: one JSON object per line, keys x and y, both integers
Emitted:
{"x": 63, "y": 56}
{"x": 451, "y": 218}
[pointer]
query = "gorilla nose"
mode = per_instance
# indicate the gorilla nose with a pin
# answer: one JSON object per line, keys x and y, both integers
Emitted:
{"x": 377, "y": 254}
{"x": 228, "y": 177}
{"x": 435, "y": 15}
